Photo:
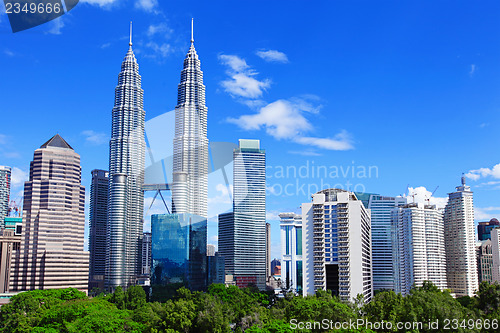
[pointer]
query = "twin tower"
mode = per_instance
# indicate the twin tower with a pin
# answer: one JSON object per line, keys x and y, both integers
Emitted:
{"x": 127, "y": 147}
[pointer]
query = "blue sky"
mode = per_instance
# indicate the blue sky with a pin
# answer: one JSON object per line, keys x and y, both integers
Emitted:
{"x": 406, "y": 89}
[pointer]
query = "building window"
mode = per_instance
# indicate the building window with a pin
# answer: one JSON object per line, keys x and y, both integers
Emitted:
{"x": 299, "y": 241}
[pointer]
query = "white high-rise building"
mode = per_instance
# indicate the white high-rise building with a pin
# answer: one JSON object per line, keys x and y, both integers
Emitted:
{"x": 126, "y": 178}
{"x": 337, "y": 245}
{"x": 418, "y": 245}
{"x": 460, "y": 242}
{"x": 190, "y": 165}
{"x": 495, "y": 252}
{"x": 292, "y": 271}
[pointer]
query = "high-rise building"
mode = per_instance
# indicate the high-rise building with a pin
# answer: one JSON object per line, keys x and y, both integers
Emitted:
{"x": 380, "y": 208}
{"x": 495, "y": 253}
{"x": 292, "y": 271}
{"x": 5, "y": 178}
{"x": 98, "y": 214}
{"x": 146, "y": 244}
{"x": 337, "y": 245}
{"x": 268, "y": 250}
{"x": 418, "y": 245}
{"x": 51, "y": 253}
{"x": 210, "y": 250}
{"x": 179, "y": 250}
{"x": 9, "y": 246}
{"x": 216, "y": 268}
{"x": 242, "y": 234}
{"x": 484, "y": 261}
{"x": 460, "y": 242}
{"x": 126, "y": 178}
{"x": 190, "y": 162}
{"x": 276, "y": 262}
{"x": 484, "y": 229}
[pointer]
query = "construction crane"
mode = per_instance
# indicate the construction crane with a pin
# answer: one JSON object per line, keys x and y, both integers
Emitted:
{"x": 429, "y": 198}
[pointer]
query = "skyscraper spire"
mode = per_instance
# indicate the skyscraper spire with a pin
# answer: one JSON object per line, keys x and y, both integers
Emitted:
{"x": 192, "y": 30}
{"x": 130, "y": 42}
{"x": 190, "y": 167}
{"x": 126, "y": 177}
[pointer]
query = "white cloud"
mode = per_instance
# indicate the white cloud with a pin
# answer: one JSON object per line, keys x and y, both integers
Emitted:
{"x": 3, "y": 139}
{"x": 284, "y": 119}
{"x": 9, "y": 53}
{"x": 12, "y": 154}
{"x": 18, "y": 177}
{"x": 105, "y": 45}
{"x": 161, "y": 28}
{"x": 473, "y": 68}
{"x": 272, "y": 215}
{"x": 57, "y": 25}
{"x": 224, "y": 197}
{"x": 214, "y": 238}
{"x": 95, "y": 137}
{"x": 146, "y": 5}
{"x": 307, "y": 152}
{"x": 161, "y": 50}
{"x": 100, "y": 3}
{"x": 273, "y": 56}
{"x": 421, "y": 195}
{"x": 341, "y": 141}
{"x": 486, "y": 213}
{"x": 242, "y": 80}
{"x": 484, "y": 172}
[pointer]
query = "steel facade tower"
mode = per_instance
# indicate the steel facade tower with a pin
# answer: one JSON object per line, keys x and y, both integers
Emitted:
{"x": 126, "y": 177}
{"x": 190, "y": 165}
{"x": 460, "y": 242}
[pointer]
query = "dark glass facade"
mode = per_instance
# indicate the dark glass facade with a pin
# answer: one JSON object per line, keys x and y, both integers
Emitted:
{"x": 179, "y": 250}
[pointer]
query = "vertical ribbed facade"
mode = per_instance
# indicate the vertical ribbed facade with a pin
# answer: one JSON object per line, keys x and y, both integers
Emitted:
{"x": 98, "y": 214}
{"x": 126, "y": 177}
{"x": 460, "y": 242}
{"x": 5, "y": 179}
{"x": 190, "y": 164}
{"x": 418, "y": 245}
{"x": 249, "y": 207}
{"x": 51, "y": 253}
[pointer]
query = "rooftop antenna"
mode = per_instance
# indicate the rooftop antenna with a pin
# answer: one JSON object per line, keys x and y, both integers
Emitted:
{"x": 192, "y": 30}
{"x": 130, "y": 42}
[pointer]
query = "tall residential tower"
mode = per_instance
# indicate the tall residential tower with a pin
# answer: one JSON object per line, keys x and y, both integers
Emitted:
{"x": 190, "y": 165}
{"x": 460, "y": 242}
{"x": 5, "y": 176}
{"x": 126, "y": 177}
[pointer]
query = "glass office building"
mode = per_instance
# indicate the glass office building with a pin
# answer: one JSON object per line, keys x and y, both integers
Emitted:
{"x": 179, "y": 250}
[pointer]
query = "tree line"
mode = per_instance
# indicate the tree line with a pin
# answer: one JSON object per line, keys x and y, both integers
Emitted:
{"x": 231, "y": 309}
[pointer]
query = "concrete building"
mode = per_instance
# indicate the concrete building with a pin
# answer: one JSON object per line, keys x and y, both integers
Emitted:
{"x": 337, "y": 245}
{"x": 190, "y": 164}
{"x": 460, "y": 242}
{"x": 418, "y": 245}
{"x": 484, "y": 261}
{"x": 210, "y": 250}
{"x": 484, "y": 229}
{"x": 292, "y": 268}
{"x": 51, "y": 254}
{"x": 9, "y": 245}
{"x": 126, "y": 177}
{"x": 275, "y": 262}
{"x": 146, "y": 243}
{"x": 268, "y": 250}
{"x": 5, "y": 179}
{"x": 242, "y": 234}
{"x": 98, "y": 214}
{"x": 495, "y": 253}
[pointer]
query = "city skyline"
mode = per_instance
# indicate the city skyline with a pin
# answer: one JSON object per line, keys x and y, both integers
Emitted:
{"x": 442, "y": 84}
